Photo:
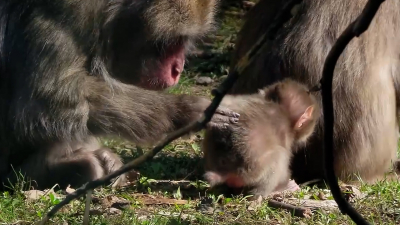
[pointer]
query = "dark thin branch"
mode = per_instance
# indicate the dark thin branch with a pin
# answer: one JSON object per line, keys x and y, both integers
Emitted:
{"x": 354, "y": 29}
{"x": 282, "y": 17}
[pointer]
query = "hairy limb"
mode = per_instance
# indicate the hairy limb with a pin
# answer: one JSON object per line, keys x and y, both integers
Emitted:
{"x": 145, "y": 116}
{"x": 110, "y": 162}
{"x": 74, "y": 168}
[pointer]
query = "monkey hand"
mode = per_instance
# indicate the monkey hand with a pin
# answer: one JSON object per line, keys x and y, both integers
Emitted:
{"x": 223, "y": 118}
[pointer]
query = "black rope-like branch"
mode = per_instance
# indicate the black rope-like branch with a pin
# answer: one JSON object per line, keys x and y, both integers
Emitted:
{"x": 283, "y": 16}
{"x": 355, "y": 29}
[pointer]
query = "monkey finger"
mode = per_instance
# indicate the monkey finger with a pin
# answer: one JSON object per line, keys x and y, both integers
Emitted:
{"x": 292, "y": 186}
{"x": 218, "y": 126}
{"x": 227, "y": 112}
{"x": 224, "y": 119}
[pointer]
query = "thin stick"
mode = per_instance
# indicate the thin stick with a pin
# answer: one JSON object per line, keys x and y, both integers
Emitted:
{"x": 283, "y": 16}
{"x": 354, "y": 29}
{"x": 87, "y": 207}
{"x": 296, "y": 210}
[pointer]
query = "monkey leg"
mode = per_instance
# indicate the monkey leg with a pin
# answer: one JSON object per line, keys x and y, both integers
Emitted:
{"x": 263, "y": 188}
{"x": 85, "y": 165}
{"x": 394, "y": 174}
{"x": 75, "y": 168}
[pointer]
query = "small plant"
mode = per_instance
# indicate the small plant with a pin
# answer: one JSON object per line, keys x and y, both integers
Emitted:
{"x": 53, "y": 199}
{"x": 199, "y": 184}
{"x": 178, "y": 194}
{"x": 144, "y": 181}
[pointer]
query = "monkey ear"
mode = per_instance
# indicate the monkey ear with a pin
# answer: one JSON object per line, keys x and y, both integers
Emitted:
{"x": 304, "y": 118}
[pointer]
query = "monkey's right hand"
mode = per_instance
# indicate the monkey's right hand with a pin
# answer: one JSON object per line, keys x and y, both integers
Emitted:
{"x": 223, "y": 118}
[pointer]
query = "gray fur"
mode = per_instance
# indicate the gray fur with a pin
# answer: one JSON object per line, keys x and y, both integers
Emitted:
{"x": 365, "y": 86}
{"x": 75, "y": 70}
{"x": 259, "y": 149}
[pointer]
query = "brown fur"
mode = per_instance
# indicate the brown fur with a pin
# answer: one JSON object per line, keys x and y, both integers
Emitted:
{"x": 256, "y": 153}
{"x": 365, "y": 86}
{"x": 73, "y": 71}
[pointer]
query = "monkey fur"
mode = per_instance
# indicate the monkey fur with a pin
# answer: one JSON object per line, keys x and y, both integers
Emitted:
{"x": 256, "y": 153}
{"x": 74, "y": 71}
{"x": 365, "y": 85}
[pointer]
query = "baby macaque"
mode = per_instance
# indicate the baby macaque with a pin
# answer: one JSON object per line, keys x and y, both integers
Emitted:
{"x": 255, "y": 154}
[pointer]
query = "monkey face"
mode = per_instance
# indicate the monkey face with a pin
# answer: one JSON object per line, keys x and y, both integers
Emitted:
{"x": 220, "y": 152}
{"x": 224, "y": 168}
{"x": 147, "y": 40}
{"x": 223, "y": 164}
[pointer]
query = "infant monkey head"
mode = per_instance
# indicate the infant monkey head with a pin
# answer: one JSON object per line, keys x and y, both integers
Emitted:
{"x": 256, "y": 153}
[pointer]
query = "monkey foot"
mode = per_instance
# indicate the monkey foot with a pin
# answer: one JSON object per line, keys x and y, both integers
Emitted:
{"x": 291, "y": 186}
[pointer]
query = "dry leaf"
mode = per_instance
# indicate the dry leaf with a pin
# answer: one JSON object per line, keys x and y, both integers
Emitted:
{"x": 33, "y": 195}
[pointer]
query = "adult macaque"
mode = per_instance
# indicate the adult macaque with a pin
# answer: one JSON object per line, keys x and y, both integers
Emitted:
{"x": 72, "y": 71}
{"x": 255, "y": 155}
{"x": 365, "y": 86}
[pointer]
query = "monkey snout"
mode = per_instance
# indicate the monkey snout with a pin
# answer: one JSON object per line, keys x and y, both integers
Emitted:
{"x": 234, "y": 181}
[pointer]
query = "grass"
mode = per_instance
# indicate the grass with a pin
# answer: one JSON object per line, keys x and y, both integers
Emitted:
{"x": 148, "y": 203}
{"x": 155, "y": 199}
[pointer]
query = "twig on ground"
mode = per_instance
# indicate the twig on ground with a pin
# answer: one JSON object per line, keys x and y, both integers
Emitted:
{"x": 356, "y": 28}
{"x": 296, "y": 210}
{"x": 87, "y": 207}
{"x": 282, "y": 17}
{"x": 312, "y": 204}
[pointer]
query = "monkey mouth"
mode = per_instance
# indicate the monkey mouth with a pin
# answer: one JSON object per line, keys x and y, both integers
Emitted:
{"x": 234, "y": 181}
{"x": 231, "y": 180}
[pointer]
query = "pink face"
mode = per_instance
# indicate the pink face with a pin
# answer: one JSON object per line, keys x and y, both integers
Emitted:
{"x": 169, "y": 69}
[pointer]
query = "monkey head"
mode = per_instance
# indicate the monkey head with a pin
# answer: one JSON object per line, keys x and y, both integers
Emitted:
{"x": 272, "y": 122}
{"x": 222, "y": 159}
{"x": 298, "y": 104}
{"x": 147, "y": 40}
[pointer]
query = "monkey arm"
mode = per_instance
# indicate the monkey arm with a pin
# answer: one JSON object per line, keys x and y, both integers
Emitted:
{"x": 141, "y": 115}
{"x": 62, "y": 93}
